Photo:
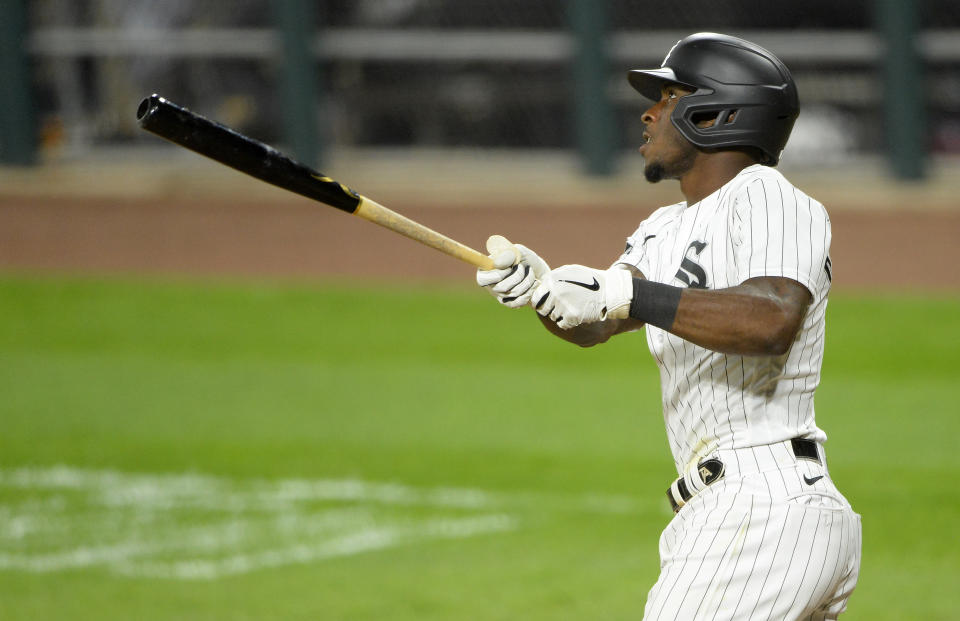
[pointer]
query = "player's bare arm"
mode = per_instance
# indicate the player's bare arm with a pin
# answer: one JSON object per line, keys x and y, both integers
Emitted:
{"x": 590, "y": 334}
{"x": 760, "y": 317}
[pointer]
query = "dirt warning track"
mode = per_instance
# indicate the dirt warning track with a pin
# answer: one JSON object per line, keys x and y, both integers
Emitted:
{"x": 296, "y": 238}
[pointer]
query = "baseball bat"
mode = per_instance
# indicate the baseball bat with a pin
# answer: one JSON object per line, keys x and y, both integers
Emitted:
{"x": 227, "y": 146}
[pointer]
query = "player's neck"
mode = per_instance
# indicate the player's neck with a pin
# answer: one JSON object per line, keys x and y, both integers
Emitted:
{"x": 710, "y": 171}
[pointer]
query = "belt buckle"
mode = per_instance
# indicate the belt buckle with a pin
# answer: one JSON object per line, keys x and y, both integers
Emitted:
{"x": 709, "y": 471}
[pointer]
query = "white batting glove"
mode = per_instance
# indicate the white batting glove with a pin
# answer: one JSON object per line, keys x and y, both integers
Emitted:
{"x": 575, "y": 294}
{"x": 513, "y": 280}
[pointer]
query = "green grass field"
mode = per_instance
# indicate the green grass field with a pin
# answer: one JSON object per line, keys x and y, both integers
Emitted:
{"x": 199, "y": 451}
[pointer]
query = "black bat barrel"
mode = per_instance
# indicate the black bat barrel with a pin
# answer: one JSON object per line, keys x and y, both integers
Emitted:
{"x": 222, "y": 144}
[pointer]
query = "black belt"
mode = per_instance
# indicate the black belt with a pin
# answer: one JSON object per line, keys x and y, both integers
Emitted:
{"x": 712, "y": 470}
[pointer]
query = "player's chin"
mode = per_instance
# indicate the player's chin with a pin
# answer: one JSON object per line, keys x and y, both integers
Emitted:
{"x": 654, "y": 172}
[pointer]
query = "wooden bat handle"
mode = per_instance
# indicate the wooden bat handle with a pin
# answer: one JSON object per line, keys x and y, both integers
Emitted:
{"x": 378, "y": 214}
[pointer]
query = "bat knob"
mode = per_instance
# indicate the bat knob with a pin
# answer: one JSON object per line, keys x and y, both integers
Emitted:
{"x": 498, "y": 243}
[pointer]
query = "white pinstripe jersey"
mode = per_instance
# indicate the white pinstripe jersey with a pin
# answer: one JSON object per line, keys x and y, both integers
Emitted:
{"x": 757, "y": 224}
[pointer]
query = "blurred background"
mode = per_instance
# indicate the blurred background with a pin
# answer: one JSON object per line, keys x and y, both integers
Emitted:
{"x": 485, "y": 104}
{"x": 219, "y": 400}
{"x": 878, "y": 78}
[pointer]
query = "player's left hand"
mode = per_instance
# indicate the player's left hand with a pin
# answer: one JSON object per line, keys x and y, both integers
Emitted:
{"x": 516, "y": 271}
{"x": 576, "y": 294}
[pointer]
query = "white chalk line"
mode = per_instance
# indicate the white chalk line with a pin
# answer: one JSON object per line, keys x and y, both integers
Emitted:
{"x": 123, "y": 557}
{"x": 221, "y": 493}
{"x": 196, "y": 526}
{"x": 367, "y": 540}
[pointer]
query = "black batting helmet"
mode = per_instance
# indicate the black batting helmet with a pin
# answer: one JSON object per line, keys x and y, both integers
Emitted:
{"x": 749, "y": 92}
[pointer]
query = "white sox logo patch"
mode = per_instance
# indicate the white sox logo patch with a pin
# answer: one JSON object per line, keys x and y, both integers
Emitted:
{"x": 692, "y": 273}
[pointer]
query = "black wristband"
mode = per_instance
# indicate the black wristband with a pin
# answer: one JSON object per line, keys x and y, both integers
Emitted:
{"x": 654, "y": 303}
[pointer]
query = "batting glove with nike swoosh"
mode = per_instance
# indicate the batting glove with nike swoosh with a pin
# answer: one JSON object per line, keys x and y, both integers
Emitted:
{"x": 512, "y": 282}
{"x": 576, "y": 294}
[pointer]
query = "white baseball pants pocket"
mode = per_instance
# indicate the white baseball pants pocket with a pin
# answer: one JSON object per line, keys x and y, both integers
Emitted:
{"x": 733, "y": 556}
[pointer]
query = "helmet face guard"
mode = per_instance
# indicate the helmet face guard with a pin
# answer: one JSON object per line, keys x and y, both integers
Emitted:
{"x": 745, "y": 89}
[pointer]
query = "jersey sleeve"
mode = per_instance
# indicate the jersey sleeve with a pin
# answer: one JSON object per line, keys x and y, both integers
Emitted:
{"x": 779, "y": 231}
{"x": 633, "y": 254}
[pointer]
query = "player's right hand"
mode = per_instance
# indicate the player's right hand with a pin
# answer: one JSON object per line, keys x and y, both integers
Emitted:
{"x": 572, "y": 295}
{"x": 512, "y": 281}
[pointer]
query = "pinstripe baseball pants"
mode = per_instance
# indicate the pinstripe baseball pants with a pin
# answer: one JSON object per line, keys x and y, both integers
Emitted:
{"x": 773, "y": 539}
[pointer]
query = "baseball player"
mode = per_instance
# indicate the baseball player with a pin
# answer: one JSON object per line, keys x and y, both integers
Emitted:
{"x": 731, "y": 285}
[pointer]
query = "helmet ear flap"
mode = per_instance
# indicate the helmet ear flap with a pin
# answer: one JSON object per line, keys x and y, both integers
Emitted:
{"x": 742, "y": 117}
{"x": 704, "y": 118}
{"x": 707, "y": 119}
{"x": 729, "y": 116}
